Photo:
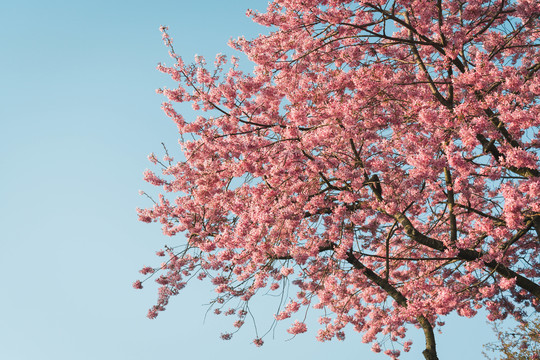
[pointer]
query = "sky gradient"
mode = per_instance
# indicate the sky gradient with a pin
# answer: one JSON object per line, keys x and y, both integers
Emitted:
{"x": 79, "y": 116}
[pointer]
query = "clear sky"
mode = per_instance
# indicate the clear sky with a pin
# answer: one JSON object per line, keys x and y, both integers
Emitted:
{"x": 79, "y": 116}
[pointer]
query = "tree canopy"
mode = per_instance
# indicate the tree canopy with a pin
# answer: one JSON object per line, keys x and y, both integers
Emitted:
{"x": 519, "y": 343}
{"x": 380, "y": 163}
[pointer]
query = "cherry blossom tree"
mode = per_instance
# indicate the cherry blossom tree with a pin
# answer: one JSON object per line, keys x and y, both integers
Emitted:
{"x": 520, "y": 343}
{"x": 380, "y": 164}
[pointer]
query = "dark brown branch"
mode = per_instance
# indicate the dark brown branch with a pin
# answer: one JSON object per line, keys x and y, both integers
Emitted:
{"x": 496, "y": 220}
{"x": 430, "y": 353}
{"x": 489, "y": 23}
{"x": 422, "y": 66}
{"x": 469, "y": 255}
{"x": 390, "y": 234}
{"x": 426, "y": 41}
{"x": 451, "y": 204}
{"x": 489, "y": 147}
{"x": 409, "y": 258}
{"x": 518, "y": 235}
{"x": 536, "y": 222}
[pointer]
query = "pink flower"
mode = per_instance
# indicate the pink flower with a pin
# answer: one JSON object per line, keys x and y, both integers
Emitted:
{"x": 226, "y": 336}
{"x": 407, "y": 346}
{"x": 238, "y": 323}
{"x": 152, "y": 313}
{"x": 274, "y": 286}
{"x": 286, "y": 271}
{"x": 506, "y": 284}
{"x": 146, "y": 270}
{"x": 297, "y": 328}
{"x": 153, "y": 158}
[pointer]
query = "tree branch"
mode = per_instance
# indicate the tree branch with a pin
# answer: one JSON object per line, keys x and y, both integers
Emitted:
{"x": 467, "y": 254}
{"x": 430, "y": 353}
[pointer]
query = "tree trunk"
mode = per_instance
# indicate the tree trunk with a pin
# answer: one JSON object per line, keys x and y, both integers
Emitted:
{"x": 430, "y": 353}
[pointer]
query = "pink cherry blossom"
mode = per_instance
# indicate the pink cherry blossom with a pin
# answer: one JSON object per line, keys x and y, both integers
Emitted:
{"x": 297, "y": 328}
{"x": 258, "y": 342}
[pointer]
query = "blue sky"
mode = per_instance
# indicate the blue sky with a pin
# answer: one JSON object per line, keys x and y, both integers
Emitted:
{"x": 79, "y": 116}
